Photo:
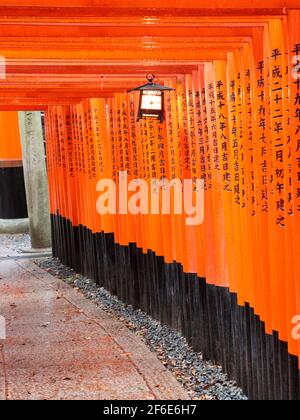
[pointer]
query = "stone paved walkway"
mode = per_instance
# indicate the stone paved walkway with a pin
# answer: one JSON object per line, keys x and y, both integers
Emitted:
{"x": 61, "y": 346}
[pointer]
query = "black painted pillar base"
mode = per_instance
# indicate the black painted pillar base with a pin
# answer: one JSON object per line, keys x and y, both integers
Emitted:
{"x": 207, "y": 315}
{"x": 12, "y": 192}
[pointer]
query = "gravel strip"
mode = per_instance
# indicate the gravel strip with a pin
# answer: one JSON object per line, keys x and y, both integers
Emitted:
{"x": 203, "y": 380}
{"x": 14, "y": 242}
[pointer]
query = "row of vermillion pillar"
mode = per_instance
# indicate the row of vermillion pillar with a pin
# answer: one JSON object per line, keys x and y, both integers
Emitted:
{"x": 234, "y": 123}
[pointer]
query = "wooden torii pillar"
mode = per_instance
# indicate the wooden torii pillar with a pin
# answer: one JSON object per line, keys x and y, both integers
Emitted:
{"x": 13, "y": 208}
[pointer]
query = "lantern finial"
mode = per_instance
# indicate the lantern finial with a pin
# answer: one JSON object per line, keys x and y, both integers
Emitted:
{"x": 150, "y": 77}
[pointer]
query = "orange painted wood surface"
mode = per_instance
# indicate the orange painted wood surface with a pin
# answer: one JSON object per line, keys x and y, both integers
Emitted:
{"x": 10, "y": 143}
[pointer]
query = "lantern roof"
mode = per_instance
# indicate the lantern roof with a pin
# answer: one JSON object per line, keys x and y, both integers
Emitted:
{"x": 151, "y": 86}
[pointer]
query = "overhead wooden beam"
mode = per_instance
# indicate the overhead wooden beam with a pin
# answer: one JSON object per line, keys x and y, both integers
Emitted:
{"x": 118, "y": 7}
{"x": 39, "y": 69}
{"x": 63, "y": 54}
{"x": 199, "y": 54}
{"x": 74, "y": 30}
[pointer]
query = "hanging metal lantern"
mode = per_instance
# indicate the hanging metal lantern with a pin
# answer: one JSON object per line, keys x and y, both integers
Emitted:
{"x": 151, "y": 99}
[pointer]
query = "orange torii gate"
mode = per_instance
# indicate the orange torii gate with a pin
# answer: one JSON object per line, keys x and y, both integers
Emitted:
{"x": 231, "y": 284}
{"x": 12, "y": 188}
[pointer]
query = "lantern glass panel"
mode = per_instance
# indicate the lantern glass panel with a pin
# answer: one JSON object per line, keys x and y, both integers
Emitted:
{"x": 151, "y": 100}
